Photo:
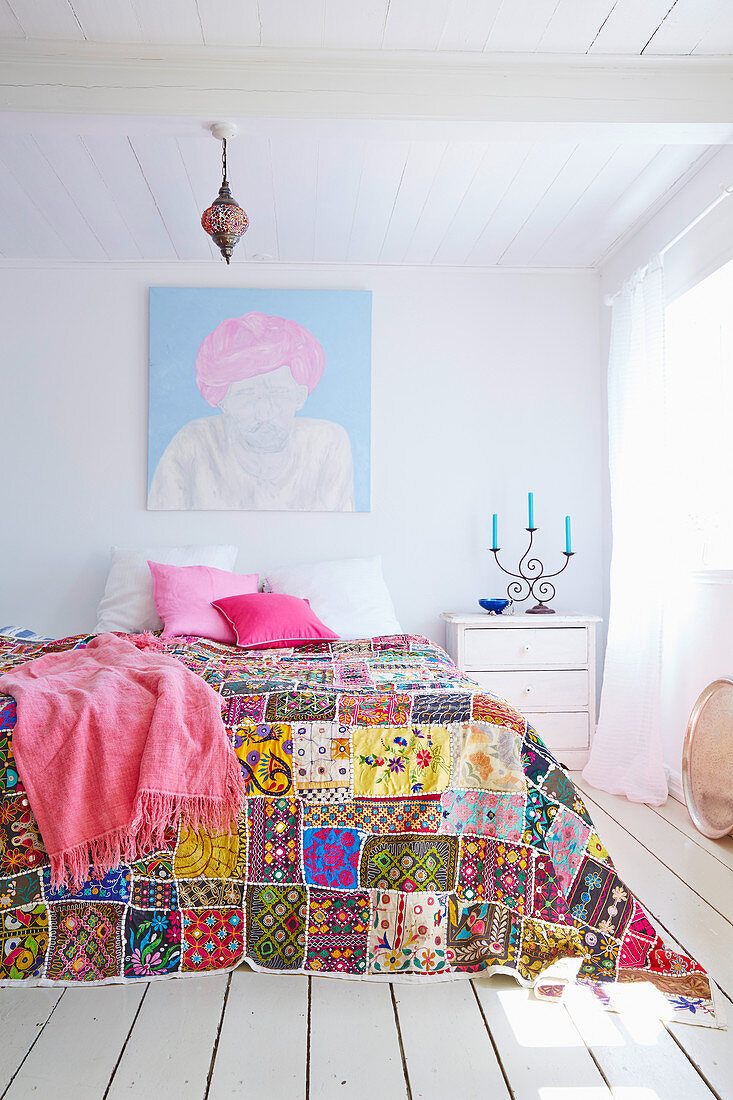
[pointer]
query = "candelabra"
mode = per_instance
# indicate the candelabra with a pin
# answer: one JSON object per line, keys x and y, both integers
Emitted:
{"x": 531, "y": 574}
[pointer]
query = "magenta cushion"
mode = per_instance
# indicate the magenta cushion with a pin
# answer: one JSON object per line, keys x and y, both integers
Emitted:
{"x": 184, "y": 595}
{"x": 267, "y": 620}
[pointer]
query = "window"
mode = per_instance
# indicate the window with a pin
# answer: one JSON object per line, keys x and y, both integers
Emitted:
{"x": 699, "y": 423}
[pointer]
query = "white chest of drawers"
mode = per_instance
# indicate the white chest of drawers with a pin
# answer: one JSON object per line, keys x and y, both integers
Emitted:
{"x": 545, "y": 665}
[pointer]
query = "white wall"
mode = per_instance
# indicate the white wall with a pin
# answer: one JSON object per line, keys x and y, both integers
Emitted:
{"x": 485, "y": 385}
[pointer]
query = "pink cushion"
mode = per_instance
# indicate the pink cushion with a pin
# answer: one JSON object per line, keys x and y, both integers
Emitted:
{"x": 267, "y": 620}
{"x": 184, "y": 595}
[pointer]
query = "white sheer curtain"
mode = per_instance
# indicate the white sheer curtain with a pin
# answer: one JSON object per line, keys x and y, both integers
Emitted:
{"x": 626, "y": 756}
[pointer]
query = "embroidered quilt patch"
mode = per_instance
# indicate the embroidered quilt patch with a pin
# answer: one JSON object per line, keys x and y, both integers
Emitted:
{"x": 265, "y": 753}
{"x": 487, "y": 756}
{"x": 322, "y": 756}
{"x": 211, "y": 855}
{"x": 276, "y": 922}
{"x": 396, "y": 762}
{"x": 20, "y": 891}
{"x": 9, "y": 781}
{"x": 213, "y": 939}
{"x": 409, "y": 862}
{"x": 375, "y": 710}
{"x": 21, "y": 847}
{"x": 408, "y": 933}
{"x": 23, "y": 941}
{"x": 86, "y": 941}
{"x": 377, "y": 815}
{"x": 331, "y": 857}
{"x": 114, "y": 886}
{"x": 152, "y": 942}
{"x": 150, "y": 893}
{"x": 485, "y": 813}
{"x": 481, "y": 935}
{"x": 338, "y": 927}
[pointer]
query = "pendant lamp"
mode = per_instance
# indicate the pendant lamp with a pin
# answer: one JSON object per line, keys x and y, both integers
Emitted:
{"x": 225, "y": 221}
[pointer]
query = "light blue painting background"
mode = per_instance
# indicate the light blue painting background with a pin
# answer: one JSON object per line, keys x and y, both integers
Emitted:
{"x": 180, "y": 318}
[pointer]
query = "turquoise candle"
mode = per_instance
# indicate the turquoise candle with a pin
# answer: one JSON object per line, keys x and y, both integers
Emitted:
{"x": 495, "y": 532}
{"x": 568, "y": 548}
{"x": 530, "y": 497}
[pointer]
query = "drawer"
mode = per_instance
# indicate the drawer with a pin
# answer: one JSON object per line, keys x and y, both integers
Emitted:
{"x": 494, "y": 647}
{"x": 538, "y": 691}
{"x": 562, "y": 730}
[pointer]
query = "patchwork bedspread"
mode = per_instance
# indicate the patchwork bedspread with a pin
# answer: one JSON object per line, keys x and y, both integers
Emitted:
{"x": 399, "y": 823}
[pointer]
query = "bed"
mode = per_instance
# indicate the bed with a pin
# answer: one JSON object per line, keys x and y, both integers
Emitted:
{"x": 399, "y": 824}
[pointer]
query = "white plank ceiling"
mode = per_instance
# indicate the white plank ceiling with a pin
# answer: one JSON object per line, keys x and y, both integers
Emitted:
{"x": 93, "y": 189}
{"x": 631, "y": 27}
{"x": 106, "y": 194}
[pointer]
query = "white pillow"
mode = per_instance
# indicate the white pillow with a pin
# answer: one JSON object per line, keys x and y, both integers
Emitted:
{"x": 349, "y": 596}
{"x": 127, "y": 603}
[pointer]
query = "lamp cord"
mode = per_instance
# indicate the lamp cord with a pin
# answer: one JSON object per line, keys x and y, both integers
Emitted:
{"x": 224, "y": 180}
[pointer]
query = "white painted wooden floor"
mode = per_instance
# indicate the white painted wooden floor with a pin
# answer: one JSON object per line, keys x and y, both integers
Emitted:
{"x": 252, "y": 1035}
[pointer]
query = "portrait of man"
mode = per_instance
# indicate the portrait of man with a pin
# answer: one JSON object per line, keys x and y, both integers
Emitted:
{"x": 258, "y": 446}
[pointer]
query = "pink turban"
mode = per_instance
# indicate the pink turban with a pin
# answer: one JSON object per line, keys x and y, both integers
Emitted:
{"x": 243, "y": 347}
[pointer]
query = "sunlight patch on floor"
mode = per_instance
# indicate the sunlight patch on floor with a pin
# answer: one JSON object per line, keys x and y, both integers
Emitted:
{"x": 638, "y": 1015}
{"x": 536, "y": 1024}
{"x": 641, "y": 1011}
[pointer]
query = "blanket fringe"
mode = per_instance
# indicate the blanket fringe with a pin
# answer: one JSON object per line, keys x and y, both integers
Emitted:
{"x": 154, "y": 814}
{"x": 147, "y": 640}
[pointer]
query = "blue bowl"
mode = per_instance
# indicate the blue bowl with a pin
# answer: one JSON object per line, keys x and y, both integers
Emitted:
{"x": 495, "y": 607}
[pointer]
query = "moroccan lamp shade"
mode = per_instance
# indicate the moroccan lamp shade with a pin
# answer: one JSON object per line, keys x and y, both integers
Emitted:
{"x": 224, "y": 220}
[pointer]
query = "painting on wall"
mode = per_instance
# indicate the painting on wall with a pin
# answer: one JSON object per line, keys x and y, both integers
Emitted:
{"x": 260, "y": 400}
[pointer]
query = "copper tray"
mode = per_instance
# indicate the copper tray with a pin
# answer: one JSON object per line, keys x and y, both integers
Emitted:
{"x": 707, "y": 760}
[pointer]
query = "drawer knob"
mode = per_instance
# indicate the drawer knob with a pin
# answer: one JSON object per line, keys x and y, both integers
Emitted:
{"x": 526, "y": 647}
{"x": 528, "y": 689}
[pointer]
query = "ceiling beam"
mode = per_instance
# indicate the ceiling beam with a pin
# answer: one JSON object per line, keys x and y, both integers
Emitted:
{"x": 337, "y": 84}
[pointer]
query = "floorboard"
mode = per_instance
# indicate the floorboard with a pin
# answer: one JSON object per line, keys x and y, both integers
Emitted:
{"x": 354, "y": 1046}
{"x": 699, "y": 869}
{"x": 169, "y": 1051}
{"x": 447, "y": 1048}
{"x": 263, "y": 1040}
{"x": 23, "y": 1014}
{"x": 676, "y": 814}
{"x": 79, "y": 1046}
{"x": 636, "y": 1052}
{"x": 711, "y": 1051}
{"x": 537, "y": 1043}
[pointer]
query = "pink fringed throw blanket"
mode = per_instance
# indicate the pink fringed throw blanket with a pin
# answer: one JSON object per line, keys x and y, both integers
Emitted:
{"x": 115, "y": 743}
